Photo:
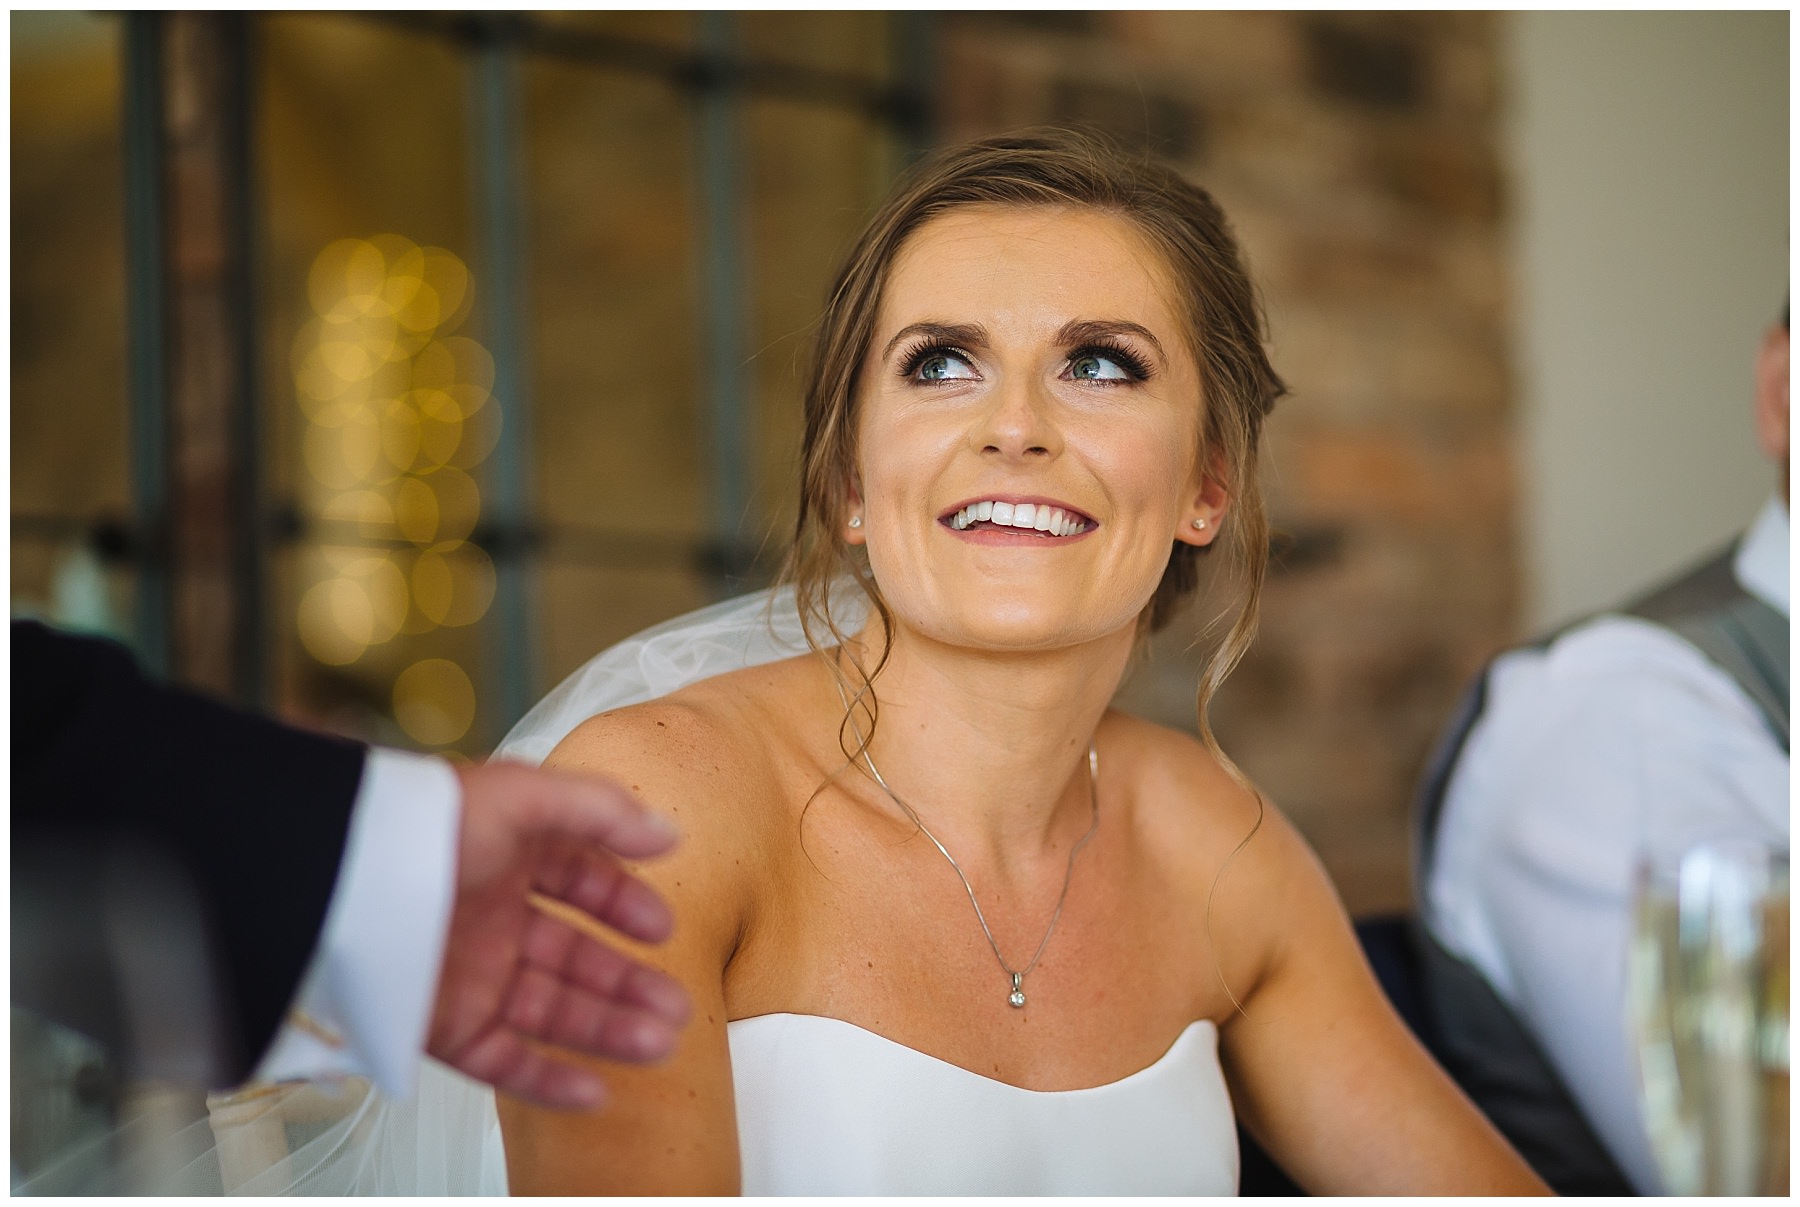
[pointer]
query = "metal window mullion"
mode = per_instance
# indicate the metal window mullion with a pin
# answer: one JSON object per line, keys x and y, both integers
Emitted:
{"x": 250, "y": 661}
{"x": 915, "y": 70}
{"x": 146, "y": 286}
{"x": 727, "y": 452}
{"x": 498, "y": 171}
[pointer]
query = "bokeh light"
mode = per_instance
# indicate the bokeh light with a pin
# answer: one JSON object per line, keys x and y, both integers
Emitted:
{"x": 453, "y": 584}
{"x": 434, "y": 701}
{"x": 336, "y": 621}
{"x": 398, "y": 410}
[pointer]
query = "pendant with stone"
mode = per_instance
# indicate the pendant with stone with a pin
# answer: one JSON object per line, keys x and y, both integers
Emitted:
{"x": 1017, "y": 999}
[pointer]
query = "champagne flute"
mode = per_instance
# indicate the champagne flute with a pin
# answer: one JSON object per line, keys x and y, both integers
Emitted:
{"x": 1707, "y": 989}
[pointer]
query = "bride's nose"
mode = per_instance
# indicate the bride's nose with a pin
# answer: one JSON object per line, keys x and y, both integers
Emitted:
{"x": 1018, "y": 421}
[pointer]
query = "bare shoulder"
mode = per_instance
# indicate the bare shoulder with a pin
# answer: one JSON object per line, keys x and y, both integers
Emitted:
{"x": 1226, "y": 845}
{"x": 711, "y": 739}
{"x": 1182, "y": 792}
{"x": 712, "y": 757}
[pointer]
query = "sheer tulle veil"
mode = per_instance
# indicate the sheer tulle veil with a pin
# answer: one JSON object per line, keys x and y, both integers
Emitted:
{"x": 345, "y": 1138}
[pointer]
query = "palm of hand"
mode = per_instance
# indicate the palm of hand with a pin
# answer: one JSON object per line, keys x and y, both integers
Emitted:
{"x": 519, "y": 981}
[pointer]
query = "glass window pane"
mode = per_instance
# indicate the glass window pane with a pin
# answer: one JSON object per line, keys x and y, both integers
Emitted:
{"x": 852, "y": 42}
{"x": 616, "y": 353}
{"x": 70, "y": 417}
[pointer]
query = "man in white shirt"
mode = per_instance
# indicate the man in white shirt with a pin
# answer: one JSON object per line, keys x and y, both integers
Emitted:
{"x": 1615, "y": 741}
{"x": 353, "y": 908}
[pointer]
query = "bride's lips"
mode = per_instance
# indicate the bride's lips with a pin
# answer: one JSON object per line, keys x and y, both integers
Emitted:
{"x": 1013, "y": 519}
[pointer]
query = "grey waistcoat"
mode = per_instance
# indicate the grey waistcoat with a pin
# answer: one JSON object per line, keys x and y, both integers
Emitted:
{"x": 1480, "y": 1042}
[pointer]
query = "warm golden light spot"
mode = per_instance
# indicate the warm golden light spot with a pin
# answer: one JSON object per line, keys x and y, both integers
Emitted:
{"x": 448, "y": 277}
{"x": 453, "y": 584}
{"x": 434, "y": 701}
{"x": 355, "y": 348}
{"x": 364, "y": 271}
{"x": 343, "y": 457}
{"x": 474, "y": 363}
{"x": 329, "y": 278}
{"x": 458, "y": 502}
{"x": 472, "y": 572}
{"x": 337, "y": 620}
{"x": 316, "y": 384}
{"x": 434, "y": 367}
{"x": 347, "y": 359}
{"x": 366, "y": 507}
{"x": 320, "y": 633}
{"x": 351, "y": 610}
{"x": 421, "y": 311}
{"x": 433, "y": 586}
{"x": 417, "y": 510}
{"x": 440, "y": 426}
{"x": 335, "y": 557}
{"x": 400, "y": 433}
{"x": 405, "y": 273}
{"x": 389, "y": 599}
{"x": 440, "y": 405}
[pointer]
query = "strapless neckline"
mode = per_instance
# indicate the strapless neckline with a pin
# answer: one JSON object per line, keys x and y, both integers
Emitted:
{"x": 826, "y": 1106}
{"x": 904, "y": 1051}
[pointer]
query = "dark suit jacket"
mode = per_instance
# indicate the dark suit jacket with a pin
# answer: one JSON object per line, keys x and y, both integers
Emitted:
{"x": 254, "y": 813}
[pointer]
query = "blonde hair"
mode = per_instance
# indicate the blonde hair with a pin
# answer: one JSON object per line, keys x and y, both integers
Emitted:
{"x": 1052, "y": 167}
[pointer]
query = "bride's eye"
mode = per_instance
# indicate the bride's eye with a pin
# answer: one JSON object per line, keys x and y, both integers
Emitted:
{"x": 1106, "y": 364}
{"x": 938, "y": 363}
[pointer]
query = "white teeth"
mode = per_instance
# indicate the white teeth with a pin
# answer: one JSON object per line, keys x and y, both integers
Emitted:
{"x": 1033, "y": 517}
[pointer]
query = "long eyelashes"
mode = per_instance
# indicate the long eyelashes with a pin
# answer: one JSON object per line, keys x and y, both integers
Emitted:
{"x": 1135, "y": 366}
{"x": 915, "y": 357}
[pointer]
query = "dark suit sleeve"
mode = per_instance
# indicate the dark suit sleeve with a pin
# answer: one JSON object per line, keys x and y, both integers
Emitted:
{"x": 255, "y": 813}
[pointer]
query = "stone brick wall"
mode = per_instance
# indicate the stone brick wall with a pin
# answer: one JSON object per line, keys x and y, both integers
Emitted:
{"x": 1357, "y": 155}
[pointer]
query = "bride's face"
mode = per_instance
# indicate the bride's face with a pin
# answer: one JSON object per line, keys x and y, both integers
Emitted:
{"x": 1028, "y": 440}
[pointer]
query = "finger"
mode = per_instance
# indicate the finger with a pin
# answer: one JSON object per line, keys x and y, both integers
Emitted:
{"x": 593, "y": 809}
{"x": 548, "y": 1009}
{"x": 504, "y": 1060}
{"x": 606, "y": 892}
{"x": 594, "y": 967}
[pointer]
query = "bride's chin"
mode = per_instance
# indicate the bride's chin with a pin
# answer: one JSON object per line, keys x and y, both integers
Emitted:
{"x": 1001, "y": 627}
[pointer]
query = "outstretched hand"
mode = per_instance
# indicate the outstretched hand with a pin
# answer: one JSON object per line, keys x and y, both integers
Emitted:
{"x": 518, "y": 983}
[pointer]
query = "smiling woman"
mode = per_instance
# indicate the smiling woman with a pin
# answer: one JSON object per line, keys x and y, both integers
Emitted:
{"x": 951, "y": 923}
{"x": 1040, "y": 413}
{"x": 1008, "y": 939}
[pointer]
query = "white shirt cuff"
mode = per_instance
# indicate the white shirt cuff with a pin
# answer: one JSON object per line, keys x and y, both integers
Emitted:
{"x": 367, "y": 996}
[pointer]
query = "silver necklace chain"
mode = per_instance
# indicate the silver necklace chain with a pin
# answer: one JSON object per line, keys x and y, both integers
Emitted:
{"x": 1017, "y": 997}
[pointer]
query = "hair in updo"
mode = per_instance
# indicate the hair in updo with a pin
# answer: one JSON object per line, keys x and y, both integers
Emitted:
{"x": 1051, "y": 167}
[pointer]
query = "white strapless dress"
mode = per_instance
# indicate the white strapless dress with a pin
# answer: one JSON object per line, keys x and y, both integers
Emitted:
{"x": 826, "y": 1107}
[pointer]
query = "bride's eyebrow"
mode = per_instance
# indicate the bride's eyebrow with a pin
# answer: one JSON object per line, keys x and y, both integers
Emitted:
{"x": 1076, "y": 332}
{"x": 961, "y": 335}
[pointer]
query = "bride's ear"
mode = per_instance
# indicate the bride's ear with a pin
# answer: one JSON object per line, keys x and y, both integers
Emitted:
{"x": 1206, "y": 510}
{"x": 853, "y": 527}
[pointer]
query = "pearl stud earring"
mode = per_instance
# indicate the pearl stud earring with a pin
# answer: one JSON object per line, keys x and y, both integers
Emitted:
{"x": 856, "y": 521}
{"x": 1200, "y": 525}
